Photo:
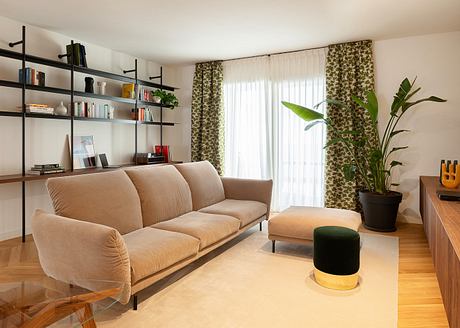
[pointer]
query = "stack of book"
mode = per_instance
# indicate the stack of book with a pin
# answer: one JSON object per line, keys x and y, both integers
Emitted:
{"x": 39, "y": 108}
{"x": 33, "y": 77}
{"x": 42, "y": 169}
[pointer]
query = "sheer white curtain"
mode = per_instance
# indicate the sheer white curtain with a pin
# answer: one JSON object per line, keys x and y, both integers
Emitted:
{"x": 265, "y": 140}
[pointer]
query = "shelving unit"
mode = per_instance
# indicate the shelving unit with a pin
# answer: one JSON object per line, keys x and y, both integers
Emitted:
{"x": 26, "y": 58}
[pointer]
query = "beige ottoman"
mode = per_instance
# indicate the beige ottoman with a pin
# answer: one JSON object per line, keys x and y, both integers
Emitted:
{"x": 296, "y": 224}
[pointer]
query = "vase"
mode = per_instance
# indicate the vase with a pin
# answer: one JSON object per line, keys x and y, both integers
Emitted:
{"x": 101, "y": 87}
{"x": 89, "y": 85}
{"x": 60, "y": 110}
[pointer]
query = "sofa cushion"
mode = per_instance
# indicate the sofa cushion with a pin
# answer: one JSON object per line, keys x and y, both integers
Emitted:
{"x": 151, "y": 250}
{"x": 108, "y": 198}
{"x": 208, "y": 228}
{"x": 244, "y": 210}
{"x": 204, "y": 182}
{"x": 163, "y": 192}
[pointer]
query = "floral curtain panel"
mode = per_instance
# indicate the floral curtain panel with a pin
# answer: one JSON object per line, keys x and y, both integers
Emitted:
{"x": 208, "y": 114}
{"x": 349, "y": 72}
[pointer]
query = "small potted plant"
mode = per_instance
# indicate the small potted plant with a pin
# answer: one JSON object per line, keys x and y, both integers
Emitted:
{"x": 371, "y": 161}
{"x": 166, "y": 98}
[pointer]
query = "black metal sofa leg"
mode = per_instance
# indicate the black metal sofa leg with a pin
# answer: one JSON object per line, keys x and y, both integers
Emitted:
{"x": 273, "y": 246}
{"x": 135, "y": 302}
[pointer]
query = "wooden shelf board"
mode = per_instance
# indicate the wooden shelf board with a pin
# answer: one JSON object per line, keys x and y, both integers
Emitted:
{"x": 12, "y": 178}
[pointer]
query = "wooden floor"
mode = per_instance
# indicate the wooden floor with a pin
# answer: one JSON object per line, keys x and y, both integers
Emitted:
{"x": 419, "y": 298}
{"x": 420, "y": 303}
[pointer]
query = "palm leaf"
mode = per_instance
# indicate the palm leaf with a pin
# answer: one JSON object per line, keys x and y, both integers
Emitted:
{"x": 304, "y": 113}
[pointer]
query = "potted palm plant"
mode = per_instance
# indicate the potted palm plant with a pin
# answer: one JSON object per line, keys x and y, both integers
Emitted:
{"x": 372, "y": 161}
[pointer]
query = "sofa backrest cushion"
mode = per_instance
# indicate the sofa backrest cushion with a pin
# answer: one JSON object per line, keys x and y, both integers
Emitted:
{"x": 204, "y": 182}
{"x": 163, "y": 192}
{"x": 108, "y": 198}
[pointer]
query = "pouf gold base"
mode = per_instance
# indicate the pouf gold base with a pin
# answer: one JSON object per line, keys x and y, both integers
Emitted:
{"x": 338, "y": 282}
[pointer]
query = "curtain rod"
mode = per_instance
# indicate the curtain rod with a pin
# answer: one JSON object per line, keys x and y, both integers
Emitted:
{"x": 279, "y": 53}
{"x": 272, "y": 54}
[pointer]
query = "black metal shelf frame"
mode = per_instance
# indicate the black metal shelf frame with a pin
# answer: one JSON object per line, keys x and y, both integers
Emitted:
{"x": 24, "y": 58}
{"x": 79, "y": 69}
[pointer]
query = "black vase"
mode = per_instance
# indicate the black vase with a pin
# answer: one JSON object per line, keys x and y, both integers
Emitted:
{"x": 380, "y": 210}
{"x": 89, "y": 85}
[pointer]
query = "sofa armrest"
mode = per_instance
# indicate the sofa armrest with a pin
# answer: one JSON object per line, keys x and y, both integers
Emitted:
{"x": 249, "y": 189}
{"x": 81, "y": 252}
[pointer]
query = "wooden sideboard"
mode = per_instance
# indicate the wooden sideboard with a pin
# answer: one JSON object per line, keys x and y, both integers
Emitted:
{"x": 441, "y": 220}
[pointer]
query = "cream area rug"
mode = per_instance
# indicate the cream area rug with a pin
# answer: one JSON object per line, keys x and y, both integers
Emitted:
{"x": 248, "y": 286}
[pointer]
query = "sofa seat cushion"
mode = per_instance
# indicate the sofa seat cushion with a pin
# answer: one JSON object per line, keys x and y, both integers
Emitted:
{"x": 163, "y": 192}
{"x": 151, "y": 250}
{"x": 244, "y": 210}
{"x": 208, "y": 228}
{"x": 204, "y": 182}
{"x": 108, "y": 198}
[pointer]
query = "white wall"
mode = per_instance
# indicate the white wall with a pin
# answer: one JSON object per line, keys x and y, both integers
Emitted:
{"x": 435, "y": 127}
{"x": 46, "y": 139}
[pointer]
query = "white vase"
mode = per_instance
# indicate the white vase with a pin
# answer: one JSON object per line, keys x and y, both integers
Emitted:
{"x": 61, "y": 109}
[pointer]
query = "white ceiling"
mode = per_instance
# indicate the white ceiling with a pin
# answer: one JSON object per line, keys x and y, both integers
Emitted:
{"x": 185, "y": 32}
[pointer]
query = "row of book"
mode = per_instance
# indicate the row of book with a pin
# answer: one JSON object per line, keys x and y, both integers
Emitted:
{"x": 128, "y": 90}
{"x": 33, "y": 77}
{"x": 78, "y": 54}
{"x": 42, "y": 169}
{"x": 143, "y": 115}
{"x": 93, "y": 110}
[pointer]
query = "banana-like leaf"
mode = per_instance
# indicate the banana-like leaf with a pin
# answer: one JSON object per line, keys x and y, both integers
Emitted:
{"x": 397, "y": 148}
{"x": 350, "y": 132}
{"x": 312, "y": 124}
{"x": 371, "y": 105}
{"x": 408, "y": 105}
{"x": 392, "y": 134}
{"x": 395, "y": 163}
{"x": 349, "y": 171}
{"x": 400, "y": 97}
{"x": 304, "y": 113}
{"x": 331, "y": 102}
{"x": 333, "y": 142}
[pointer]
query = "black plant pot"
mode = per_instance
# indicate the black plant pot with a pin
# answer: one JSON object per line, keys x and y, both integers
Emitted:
{"x": 380, "y": 210}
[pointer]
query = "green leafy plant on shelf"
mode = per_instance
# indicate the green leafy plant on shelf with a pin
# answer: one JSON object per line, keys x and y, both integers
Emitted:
{"x": 167, "y": 98}
{"x": 371, "y": 162}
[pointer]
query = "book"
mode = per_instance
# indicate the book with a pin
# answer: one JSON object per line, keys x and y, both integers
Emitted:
{"x": 43, "y": 172}
{"x": 83, "y": 56}
{"x": 47, "y": 166}
{"x": 128, "y": 91}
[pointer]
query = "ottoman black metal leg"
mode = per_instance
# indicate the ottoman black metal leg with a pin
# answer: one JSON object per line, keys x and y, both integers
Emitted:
{"x": 260, "y": 225}
{"x": 273, "y": 246}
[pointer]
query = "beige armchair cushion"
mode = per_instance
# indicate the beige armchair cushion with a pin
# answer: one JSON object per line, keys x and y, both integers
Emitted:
{"x": 151, "y": 250}
{"x": 108, "y": 198}
{"x": 244, "y": 210}
{"x": 163, "y": 192}
{"x": 81, "y": 253}
{"x": 204, "y": 182}
{"x": 208, "y": 228}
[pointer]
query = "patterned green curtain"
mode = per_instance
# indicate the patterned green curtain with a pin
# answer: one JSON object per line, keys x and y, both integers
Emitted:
{"x": 208, "y": 114}
{"x": 349, "y": 72}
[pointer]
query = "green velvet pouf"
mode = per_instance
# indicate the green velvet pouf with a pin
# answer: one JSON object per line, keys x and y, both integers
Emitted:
{"x": 336, "y": 250}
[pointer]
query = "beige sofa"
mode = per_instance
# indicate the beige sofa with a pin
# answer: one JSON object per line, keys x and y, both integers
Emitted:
{"x": 141, "y": 224}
